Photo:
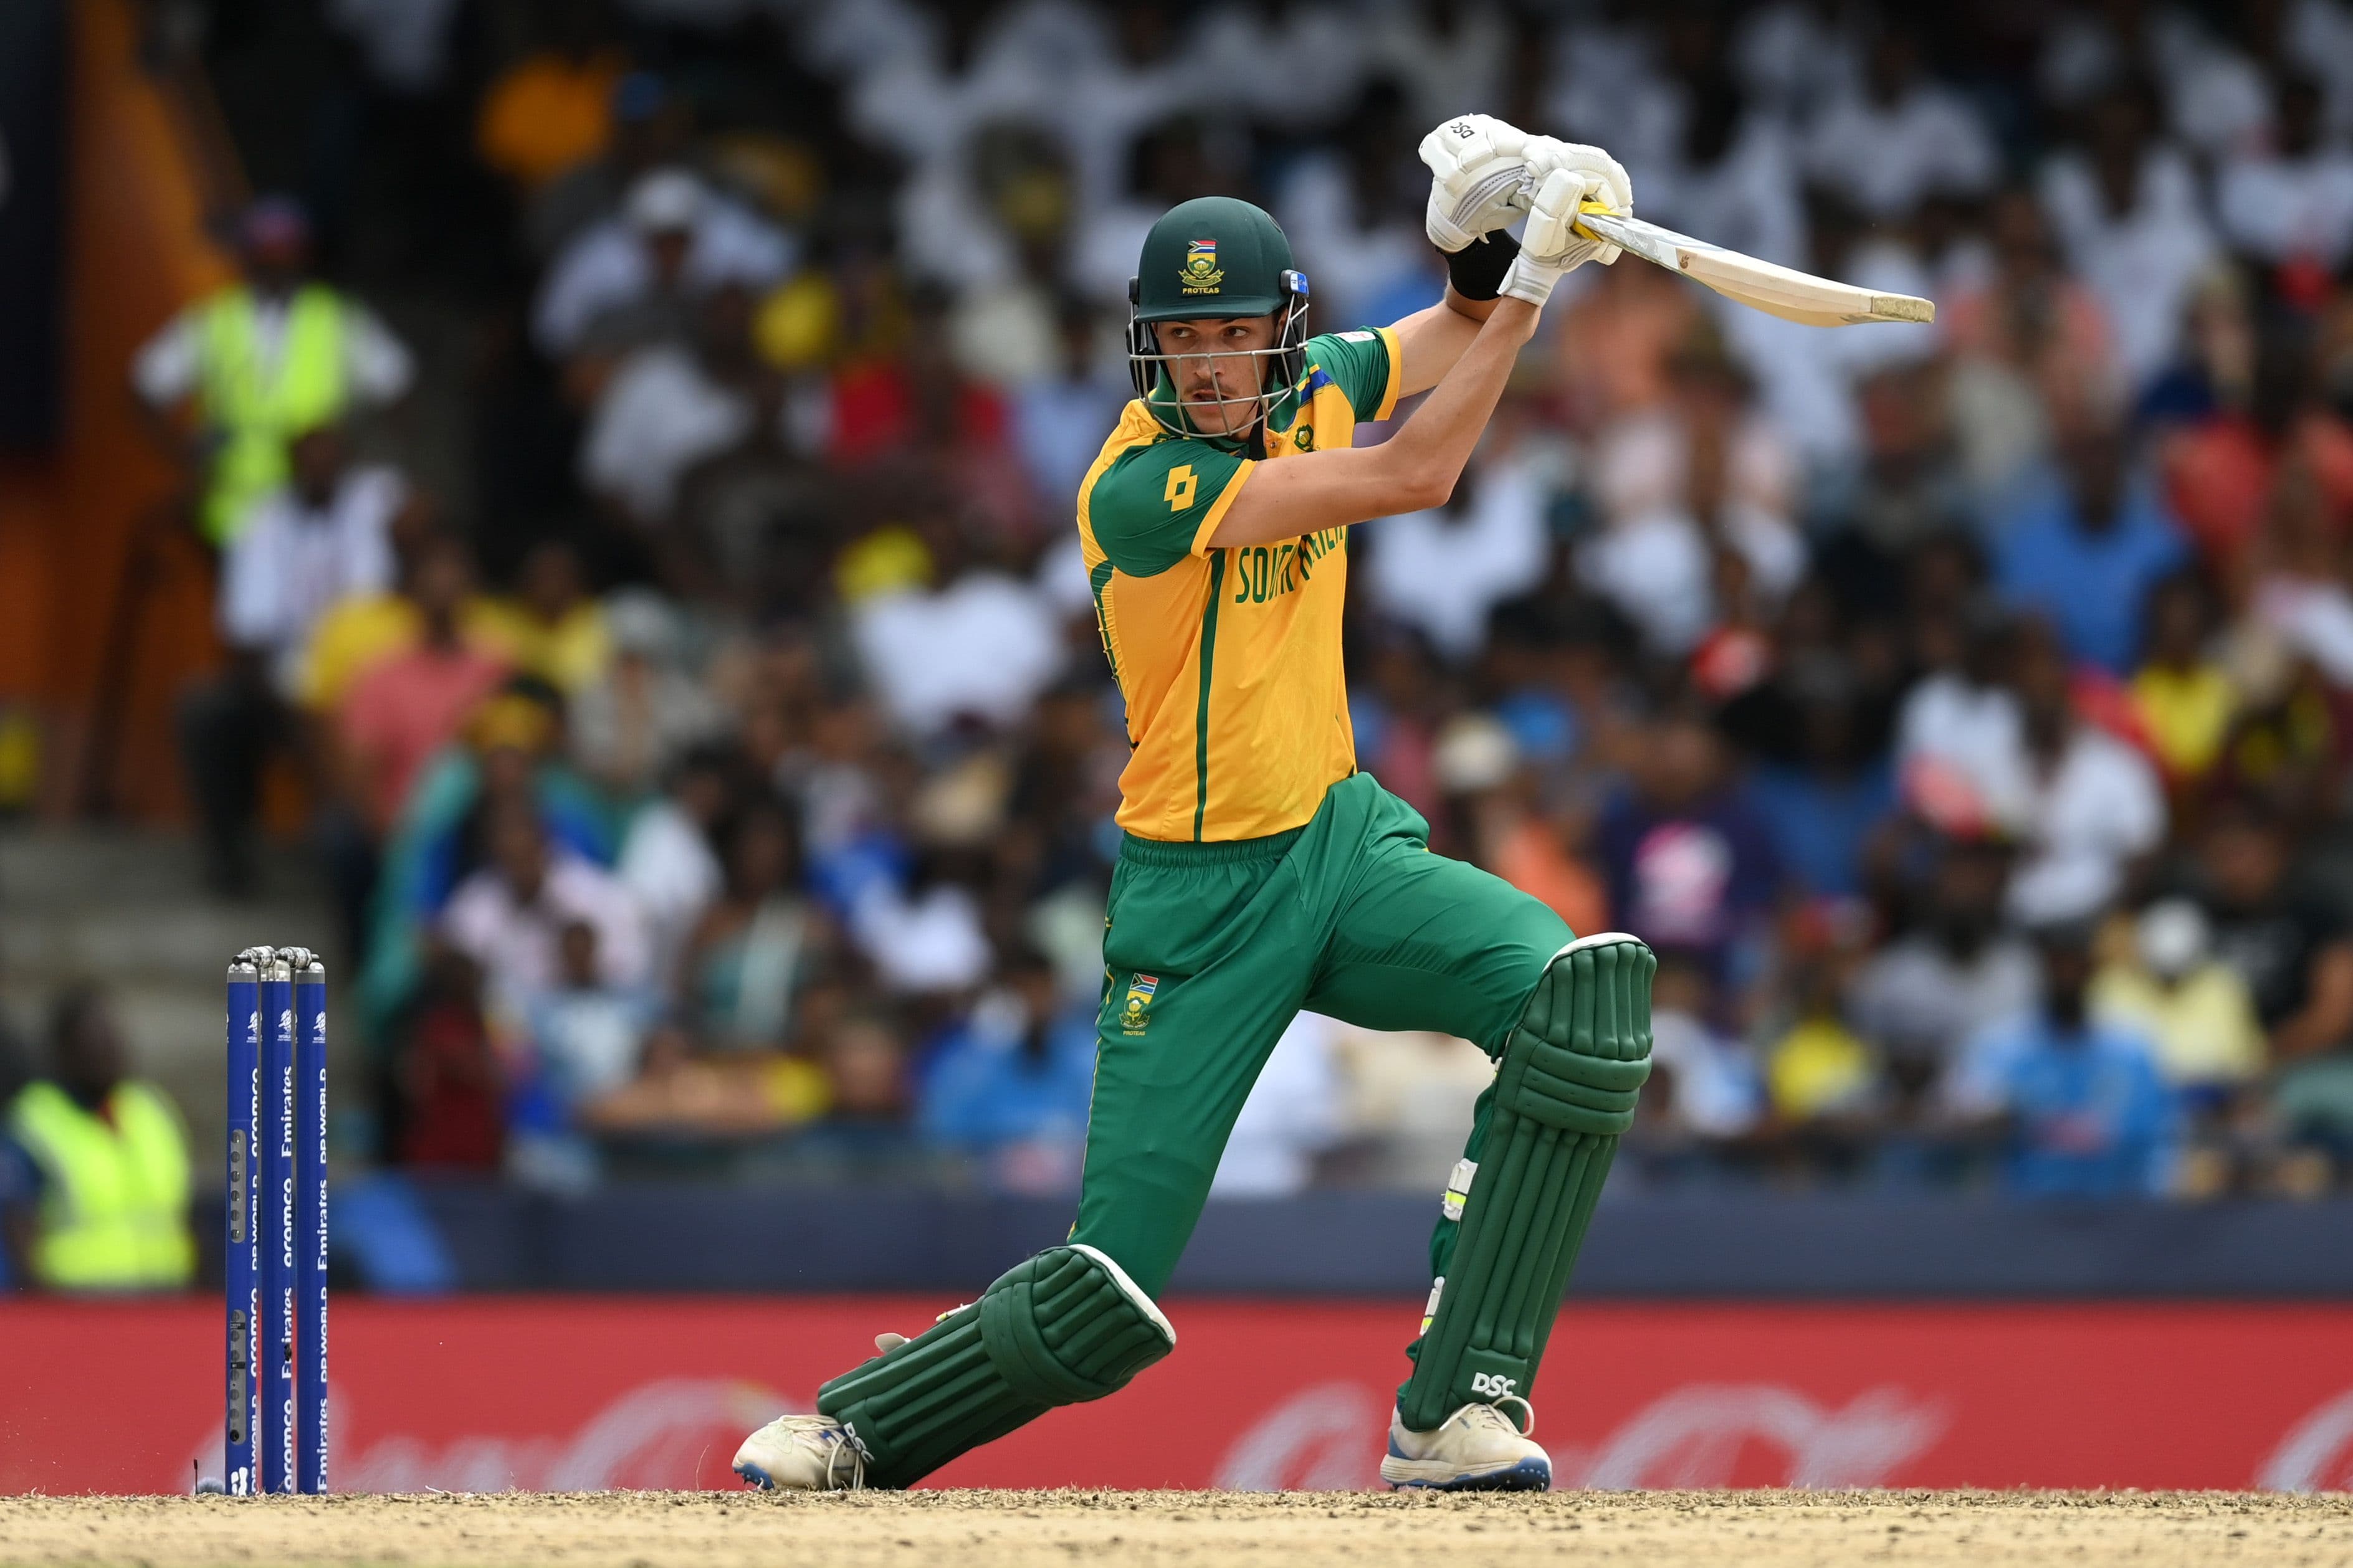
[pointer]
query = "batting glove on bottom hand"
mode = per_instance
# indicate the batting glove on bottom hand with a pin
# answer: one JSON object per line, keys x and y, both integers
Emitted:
{"x": 1562, "y": 176}
{"x": 1550, "y": 245}
{"x": 1604, "y": 178}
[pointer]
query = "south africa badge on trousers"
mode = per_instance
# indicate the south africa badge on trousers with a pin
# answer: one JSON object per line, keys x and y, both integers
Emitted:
{"x": 1133, "y": 1014}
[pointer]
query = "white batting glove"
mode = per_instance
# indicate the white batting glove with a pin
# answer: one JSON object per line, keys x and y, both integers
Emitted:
{"x": 1478, "y": 178}
{"x": 1604, "y": 178}
{"x": 1550, "y": 244}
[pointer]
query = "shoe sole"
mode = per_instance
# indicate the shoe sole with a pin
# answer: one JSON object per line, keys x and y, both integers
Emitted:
{"x": 753, "y": 1476}
{"x": 1527, "y": 1476}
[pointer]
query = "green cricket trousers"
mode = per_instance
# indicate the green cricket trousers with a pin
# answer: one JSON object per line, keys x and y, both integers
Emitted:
{"x": 1212, "y": 948}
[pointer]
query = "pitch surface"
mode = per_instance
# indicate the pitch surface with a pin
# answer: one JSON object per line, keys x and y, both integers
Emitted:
{"x": 1296, "y": 1529}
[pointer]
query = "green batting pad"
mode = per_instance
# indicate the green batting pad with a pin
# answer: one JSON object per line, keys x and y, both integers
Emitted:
{"x": 1064, "y": 1327}
{"x": 1564, "y": 1090}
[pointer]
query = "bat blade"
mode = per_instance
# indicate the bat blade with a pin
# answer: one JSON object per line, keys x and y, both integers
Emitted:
{"x": 1765, "y": 286}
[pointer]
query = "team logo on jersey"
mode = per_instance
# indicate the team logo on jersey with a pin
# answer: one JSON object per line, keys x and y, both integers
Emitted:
{"x": 1133, "y": 1012}
{"x": 1201, "y": 274}
{"x": 1302, "y": 437}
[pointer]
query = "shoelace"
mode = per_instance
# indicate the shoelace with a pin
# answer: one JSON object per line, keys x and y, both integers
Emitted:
{"x": 1493, "y": 1410}
{"x": 845, "y": 1444}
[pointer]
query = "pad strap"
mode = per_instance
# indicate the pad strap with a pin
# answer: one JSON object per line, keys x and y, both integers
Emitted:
{"x": 1458, "y": 1188}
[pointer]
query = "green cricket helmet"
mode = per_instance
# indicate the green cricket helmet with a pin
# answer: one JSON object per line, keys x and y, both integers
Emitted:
{"x": 1217, "y": 258}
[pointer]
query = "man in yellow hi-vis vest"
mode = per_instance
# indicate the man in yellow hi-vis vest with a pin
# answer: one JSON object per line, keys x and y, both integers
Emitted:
{"x": 264, "y": 360}
{"x": 103, "y": 1161}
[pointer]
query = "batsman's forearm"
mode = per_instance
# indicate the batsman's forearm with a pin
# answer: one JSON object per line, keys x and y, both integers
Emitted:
{"x": 1427, "y": 456}
{"x": 1411, "y": 471}
{"x": 1470, "y": 309}
{"x": 1431, "y": 338}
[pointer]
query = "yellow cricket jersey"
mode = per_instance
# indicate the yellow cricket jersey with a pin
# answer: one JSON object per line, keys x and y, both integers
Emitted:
{"x": 1229, "y": 658}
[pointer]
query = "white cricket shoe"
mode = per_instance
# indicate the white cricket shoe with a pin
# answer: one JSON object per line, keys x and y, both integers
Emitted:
{"x": 802, "y": 1453}
{"x": 1478, "y": 1448}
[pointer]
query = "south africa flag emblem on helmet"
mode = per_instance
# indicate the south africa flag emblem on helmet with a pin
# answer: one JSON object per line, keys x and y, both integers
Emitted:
{"x": 1132, "y": 1013}
{"x": 1201, "y": 274}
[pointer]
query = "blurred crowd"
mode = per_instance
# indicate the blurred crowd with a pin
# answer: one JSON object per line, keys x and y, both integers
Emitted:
{"x": 715, "y": 762}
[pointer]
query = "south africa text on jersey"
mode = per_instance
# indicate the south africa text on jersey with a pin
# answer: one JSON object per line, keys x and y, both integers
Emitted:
{"x": 1263, "y": 572}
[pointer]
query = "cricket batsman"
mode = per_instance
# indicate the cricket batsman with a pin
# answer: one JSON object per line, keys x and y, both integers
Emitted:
{"x": 1262, "y": 873}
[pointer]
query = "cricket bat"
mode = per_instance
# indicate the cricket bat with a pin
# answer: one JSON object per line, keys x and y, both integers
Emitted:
{"x": 1780, "y": 291}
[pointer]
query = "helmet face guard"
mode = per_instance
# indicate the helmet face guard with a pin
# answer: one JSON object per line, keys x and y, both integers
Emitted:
{"x": 1154, "y": 372}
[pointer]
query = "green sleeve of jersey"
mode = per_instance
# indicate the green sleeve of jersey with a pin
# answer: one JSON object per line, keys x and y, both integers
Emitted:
{"x": 1158, "y": 503}
{"x": 1364, "y": 364}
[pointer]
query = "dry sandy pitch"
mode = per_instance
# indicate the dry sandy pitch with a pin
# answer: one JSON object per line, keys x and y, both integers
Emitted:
{"x": 1296, "y": 1529}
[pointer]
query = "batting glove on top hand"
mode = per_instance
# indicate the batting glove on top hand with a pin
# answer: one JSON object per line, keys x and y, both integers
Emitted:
{"x": 1478, "y": 179}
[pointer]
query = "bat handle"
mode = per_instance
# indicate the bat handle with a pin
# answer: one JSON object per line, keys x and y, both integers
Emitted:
{"x": 1590, "y": 205}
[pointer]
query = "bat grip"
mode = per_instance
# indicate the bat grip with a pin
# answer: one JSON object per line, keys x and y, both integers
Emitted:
{"x": 1590, "y": 205}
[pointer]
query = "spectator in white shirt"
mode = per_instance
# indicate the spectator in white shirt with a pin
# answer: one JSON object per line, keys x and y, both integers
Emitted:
{"x": 1605, "y": 86}
{"x": 674, "y": 239}
{"x": 849, "y": 38}
{"x": 1677, "y": 485}
{"x": 1292, "y": 1116}
{"x": 1957, "y": 740}
{"x": 671, "y": 406}
{"x": 2300, "y": 598}
{"x": 667, "y": 863}
{"x": 1171, "y": 163}
{"x": 651, "y": 128}
{"x": 324, "y": 537}
{"x": 2316, "y": 36}
{"x": 1810, "y": 381}
{"x": 1901, "y": 138}
{"x": 983, "y": 645}
{"x": 1795, "y": 54}
{"x": 2213, "y": 96}
{"x": 1058, "y": 38}
{"x": 1046, "y": 65}
{"x": 928, "y": 940}
{"x": 1979, "y": 753}
{"x": 510, "y": 916}
{"x": 1443, "y": 570}
{"x": 2130, "y": 219}
{"x": 1101, "y": 112}
{"x": 1360, "y": 243}
{"x": 1921, "y": 996}
{"x": 1734, "y": 176}
{"x": 1450, "y": 55}
{"x": 956, "y": 225}
{"x": 2089, "y": 807}
{"x": 921, "y": 94}
{"x": 2086, "y": 47}
{"x": 1299, "y": 66}
{"x": 2297, "y": 203}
